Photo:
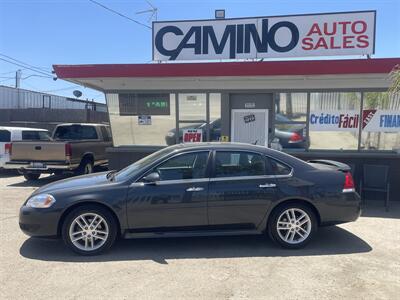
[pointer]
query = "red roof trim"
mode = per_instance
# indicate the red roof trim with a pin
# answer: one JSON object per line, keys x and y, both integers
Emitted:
{"x": 267, "y": 68}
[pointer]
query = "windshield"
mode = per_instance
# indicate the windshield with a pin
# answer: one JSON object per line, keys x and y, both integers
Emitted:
{"x": 134, "y": 168}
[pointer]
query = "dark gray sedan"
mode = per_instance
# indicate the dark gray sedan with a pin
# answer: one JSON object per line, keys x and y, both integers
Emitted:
{"x": 193, "y": 190}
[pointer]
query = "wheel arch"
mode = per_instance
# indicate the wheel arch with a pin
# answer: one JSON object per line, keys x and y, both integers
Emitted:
{"x": 87, "y": 156}
{"x": 83, "y": 203}
{"x": 297, "y": 200}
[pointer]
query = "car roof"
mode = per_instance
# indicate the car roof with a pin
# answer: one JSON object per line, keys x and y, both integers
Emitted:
{"x": 9, "y": 128}
{"x": 83, "y": 124}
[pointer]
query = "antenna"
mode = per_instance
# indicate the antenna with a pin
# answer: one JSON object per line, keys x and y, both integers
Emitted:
{"x": 152, "y": 11}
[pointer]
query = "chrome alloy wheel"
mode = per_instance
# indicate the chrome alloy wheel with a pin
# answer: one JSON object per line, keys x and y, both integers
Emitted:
{"x": 88, "y": 232}
{"x": 294, "y": 226}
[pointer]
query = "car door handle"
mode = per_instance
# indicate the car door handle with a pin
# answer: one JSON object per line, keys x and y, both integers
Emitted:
{"x": 194, "y": 189}
{"x": 267, "y": 185}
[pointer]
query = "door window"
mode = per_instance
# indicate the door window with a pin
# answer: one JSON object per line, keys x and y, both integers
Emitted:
{"x": 278, "y": 168}
{"x": 185, "y": 166}
{"x": 230, "y": 164}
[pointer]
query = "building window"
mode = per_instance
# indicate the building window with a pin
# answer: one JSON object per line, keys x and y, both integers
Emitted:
{"x": 141, "y": 119}
{"x": 290, "y": 120}
{"x": 334, "y": 120}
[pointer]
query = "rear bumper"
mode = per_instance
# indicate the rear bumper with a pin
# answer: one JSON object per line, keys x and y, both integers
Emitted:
{"x": 26, "y": 166}
{"x": 346, "y": 208}
{"x": 38, "y": 222}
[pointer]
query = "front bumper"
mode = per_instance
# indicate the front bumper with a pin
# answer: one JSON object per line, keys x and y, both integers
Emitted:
{"x": 39, "y": 222}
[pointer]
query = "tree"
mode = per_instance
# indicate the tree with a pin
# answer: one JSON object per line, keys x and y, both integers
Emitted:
{"x": 395, "y": 78}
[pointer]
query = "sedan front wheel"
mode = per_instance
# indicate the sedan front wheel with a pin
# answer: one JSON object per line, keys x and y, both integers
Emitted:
{"x": 89, "y": 230}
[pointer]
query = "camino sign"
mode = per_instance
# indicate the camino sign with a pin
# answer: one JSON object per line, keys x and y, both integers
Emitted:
{"x": 328, "y": 34}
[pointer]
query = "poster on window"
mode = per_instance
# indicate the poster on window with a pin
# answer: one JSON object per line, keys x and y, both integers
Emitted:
{"x": 334, "y": 120}
{"x": 381, "y": 120}
{"x": 193, "y": 135}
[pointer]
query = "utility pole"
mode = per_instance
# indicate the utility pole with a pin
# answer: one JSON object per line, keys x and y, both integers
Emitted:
{"x": 18, "y": 79}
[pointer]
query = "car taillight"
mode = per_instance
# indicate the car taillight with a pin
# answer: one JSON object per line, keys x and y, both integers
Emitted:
{"x": 8, "y": 149}
{"x": 68, "y": 151}
{"x": 348, "y": 183}
{"x": 295, "y": 137}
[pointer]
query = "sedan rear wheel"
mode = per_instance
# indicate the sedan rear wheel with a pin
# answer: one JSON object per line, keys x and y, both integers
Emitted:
{"x": 293, "y": 225}
{"x": 89, "y": 230}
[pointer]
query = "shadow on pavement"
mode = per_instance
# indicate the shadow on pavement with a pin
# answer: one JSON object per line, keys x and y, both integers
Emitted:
{"x": 38, "y": 183}
{"x": 8, "y": 173}
{"x": 46, "y": 179}
{"x": 329, "y": 241}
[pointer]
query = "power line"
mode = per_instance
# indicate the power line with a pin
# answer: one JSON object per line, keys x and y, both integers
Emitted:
{"x": 58, "y": 90}
{"x": 119, "y": 14}
{"x": 21, "y": 62}
{"x": 17, "y": 64}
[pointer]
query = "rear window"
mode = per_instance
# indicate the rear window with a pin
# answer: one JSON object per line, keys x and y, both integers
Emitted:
{"x": 75, "y": 132}
{"x": 35, "y": 135}
{"x": 5, "y": 136}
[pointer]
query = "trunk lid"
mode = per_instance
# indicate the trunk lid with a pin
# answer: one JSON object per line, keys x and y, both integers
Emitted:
{"x": 325, "y": 164}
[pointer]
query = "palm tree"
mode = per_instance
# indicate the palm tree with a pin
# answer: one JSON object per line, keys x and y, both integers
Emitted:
{"x": 395, "y": 78}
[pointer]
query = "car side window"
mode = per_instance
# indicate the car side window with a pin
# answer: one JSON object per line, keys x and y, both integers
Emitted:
{"x": 184, "y": 166}
{"x": 231, "y": 164}
{"x": 278, "y": 168}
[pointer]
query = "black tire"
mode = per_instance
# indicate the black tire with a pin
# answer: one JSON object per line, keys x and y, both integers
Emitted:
{"x": 279, "y": 237}
{"x": 31, "y": 176}
{"x": 86, "y": 167}
{"x": 90, "y": 209}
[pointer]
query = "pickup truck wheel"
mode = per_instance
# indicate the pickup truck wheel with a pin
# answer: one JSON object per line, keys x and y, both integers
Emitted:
{"x": 86, "y": 167}
{"x": 31, "y": 176}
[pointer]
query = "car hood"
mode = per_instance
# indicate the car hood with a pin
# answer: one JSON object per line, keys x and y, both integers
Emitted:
{"x": 74, "y": 182}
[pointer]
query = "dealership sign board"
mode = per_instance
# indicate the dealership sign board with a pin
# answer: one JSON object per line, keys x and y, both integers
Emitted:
{"x": 373, "y": 120}
{"x": 329, "y": 34}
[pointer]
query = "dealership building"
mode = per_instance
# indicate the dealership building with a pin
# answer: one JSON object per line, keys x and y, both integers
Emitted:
{"x": 327, "y": 109}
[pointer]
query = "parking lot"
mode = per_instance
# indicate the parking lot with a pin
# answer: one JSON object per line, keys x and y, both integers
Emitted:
{"x": 358, "y": 260}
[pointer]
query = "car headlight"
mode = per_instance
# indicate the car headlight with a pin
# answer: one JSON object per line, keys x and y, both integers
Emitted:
{"x": 41, "y": 201}
{"x": 171, "y": 134}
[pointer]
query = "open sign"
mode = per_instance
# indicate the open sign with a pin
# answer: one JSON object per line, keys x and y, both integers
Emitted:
{"x": 192, "y": 135}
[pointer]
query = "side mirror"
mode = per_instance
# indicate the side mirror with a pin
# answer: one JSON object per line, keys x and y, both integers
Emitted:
{"x": 152, "y": 178}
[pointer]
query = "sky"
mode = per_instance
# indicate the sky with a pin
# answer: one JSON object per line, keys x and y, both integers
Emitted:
{"x": 46, "y": 32}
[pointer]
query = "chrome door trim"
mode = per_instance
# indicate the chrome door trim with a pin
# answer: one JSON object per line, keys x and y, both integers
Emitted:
{"x": 177, "y": 181}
